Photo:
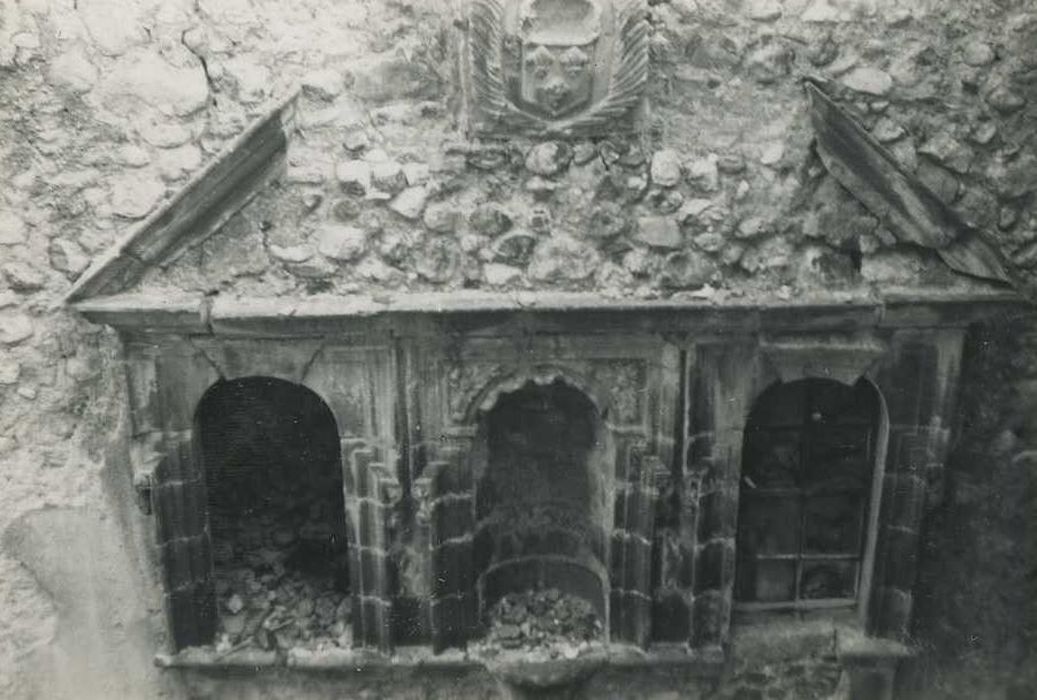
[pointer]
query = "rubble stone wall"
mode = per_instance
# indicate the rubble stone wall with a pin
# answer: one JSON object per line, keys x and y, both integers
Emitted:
{"x": 107, "y": 107}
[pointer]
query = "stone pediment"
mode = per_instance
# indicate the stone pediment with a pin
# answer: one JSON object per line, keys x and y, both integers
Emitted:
{"x": 199, "y": 209}
{"x": 442, "y": 226}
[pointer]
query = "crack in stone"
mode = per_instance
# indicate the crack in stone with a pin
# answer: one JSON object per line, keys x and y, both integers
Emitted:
{"x": 205, "y": 65}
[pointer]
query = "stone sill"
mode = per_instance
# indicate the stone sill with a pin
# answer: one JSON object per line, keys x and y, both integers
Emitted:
{"x": 707, "y": 662}
{"x": 230, "y": 316}
{"x": 772, "y": 640}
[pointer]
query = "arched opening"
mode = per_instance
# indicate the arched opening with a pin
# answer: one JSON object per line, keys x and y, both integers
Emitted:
{"x": 276, "y": 515}
{"x": 808, "y": 496}
{"x": 541, "y": 513}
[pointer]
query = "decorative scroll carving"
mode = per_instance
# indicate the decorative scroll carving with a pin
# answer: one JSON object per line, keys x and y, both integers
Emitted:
{"x": 464, "y": 382}
{"x": 556, "y": 66}
{"x": 625, "y": 380}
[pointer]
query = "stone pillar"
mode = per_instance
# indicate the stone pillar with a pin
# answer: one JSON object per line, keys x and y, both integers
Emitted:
{"x": 178, "y": 499}
{"x": 369, "y": 486}
{"x": 918, "y": 383}
{"x": 914, "y": 453}
{"x": 715, "y": 472}
{"x": 675, "y": 521}
{"x": 453, "y": 608}
{"x": 722, "y": 382}
{"x": 630, "y": 606}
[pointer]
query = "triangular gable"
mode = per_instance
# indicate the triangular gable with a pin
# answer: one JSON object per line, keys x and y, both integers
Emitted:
{"x": 213, "y": 195}
{"x": 899, "y": 199}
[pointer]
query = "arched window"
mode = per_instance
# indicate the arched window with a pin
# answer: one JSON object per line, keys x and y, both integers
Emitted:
{"x": 806, "y": 495}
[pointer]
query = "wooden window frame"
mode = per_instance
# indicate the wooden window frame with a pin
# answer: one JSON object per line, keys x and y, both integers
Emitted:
{"x": 868, "y": 529}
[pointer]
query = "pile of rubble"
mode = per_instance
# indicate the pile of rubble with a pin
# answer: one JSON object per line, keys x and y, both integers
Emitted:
{"x": 278, "y": 613}
{"x": 544, "y": 620}
{"x": 281, "y": 579}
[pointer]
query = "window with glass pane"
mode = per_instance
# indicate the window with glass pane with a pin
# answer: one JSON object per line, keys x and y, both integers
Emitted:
{"x": 807, "y": 466}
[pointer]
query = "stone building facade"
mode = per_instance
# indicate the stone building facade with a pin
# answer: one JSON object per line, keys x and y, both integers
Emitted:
{"x": 331, "y": 328}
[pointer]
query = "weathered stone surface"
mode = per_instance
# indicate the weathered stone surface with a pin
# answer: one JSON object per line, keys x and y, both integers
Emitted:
{"x": 772, "y": 153}
{"x": 490, "y": 220}
{"x": 176, "y": 163}
{"x": 562, "y": 258}
{"x": 948, "y": 151}
{"x": 823, "y": 52}
{"x": 887, "y": 131}
{"x": 23, "y": 277}
{"x": 764, "y": 10}
{"x": 498, "y": 275}
{"x": 769, "y": 62}
{"x": 134, "y": 197}
{"x": 659, "y": 232}
{"x": 313, "y": 268}
{"x": 389, "y": 76}
{"x": 549, "y": 158}
{"x": 132, "y": 156}
{"x": 441, "y": 217}
{"x": 73, "y": 71}
{"x": 984, "y": 133}
{"x": 1005, "y": 100}
{"x": 388, "y": 176}
{"x": 249, "y": 79}
{"x": 342, "y": 243}
{"x": 439, "y": 260}
{"x": 165, "y": 134}
{"x": 709, "y": 242}
{"x": 410, "y": 203}
{"x": 822, "y": 11}
{"x": 752, "y": 227}
{"x": 607, "y": 221}
{"x": 12, "y": 228}
{"x": 416, "y": 173}
{"x": 870, "y": 81}
{"x": 294, "y": 254}
{"x": 9, "y": 371}
{"x": 978, "y": 207}
{"x": 324, "y": 84}
{"x": 685, "y": 270}
{"x": 373, "y": 269}
{"x": 514, "y": 248}
{"x": 941, "y": 181}
{"x": 666, "y": 168}
{"x": 68, "y": 256}
{"x": 978, "y": 53}
{"x": 15, "y": 328}
{"x": 145, "y": 76}
{"x": 354, "y": 176}
{"x": 114, "y": 26}
{"x": 703, "y": 173}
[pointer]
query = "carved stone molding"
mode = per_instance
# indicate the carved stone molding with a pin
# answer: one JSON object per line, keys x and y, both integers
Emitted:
{"x": 561, "y": 67}
{"x": 626, "y": 382}
{"x": 844, "y": 361}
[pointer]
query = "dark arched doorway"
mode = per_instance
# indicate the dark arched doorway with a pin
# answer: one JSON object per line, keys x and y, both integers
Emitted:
{"x": 276, "y": 515}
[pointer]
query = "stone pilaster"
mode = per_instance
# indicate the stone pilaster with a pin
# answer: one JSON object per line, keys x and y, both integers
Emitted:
{"x": 451, "y": 528}
{"x": 368, "y": 488}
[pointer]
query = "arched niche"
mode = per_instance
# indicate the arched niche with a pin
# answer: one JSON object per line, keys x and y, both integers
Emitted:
{"x": 543, "y": 464}
{"x": 276, "y": 512}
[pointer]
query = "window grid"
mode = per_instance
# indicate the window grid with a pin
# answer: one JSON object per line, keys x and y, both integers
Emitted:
{"x": 810, "y": 429}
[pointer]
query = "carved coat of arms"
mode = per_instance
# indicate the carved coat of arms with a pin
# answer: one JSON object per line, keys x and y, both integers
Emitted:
{"x": 556, "y": 66}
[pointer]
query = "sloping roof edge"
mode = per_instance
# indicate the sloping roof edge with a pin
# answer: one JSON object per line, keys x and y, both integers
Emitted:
{"x": 212, "y": 195}
{"x": 899, "y": 199}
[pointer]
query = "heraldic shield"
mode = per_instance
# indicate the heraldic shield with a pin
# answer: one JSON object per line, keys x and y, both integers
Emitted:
{"x": 560, "y": 67}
